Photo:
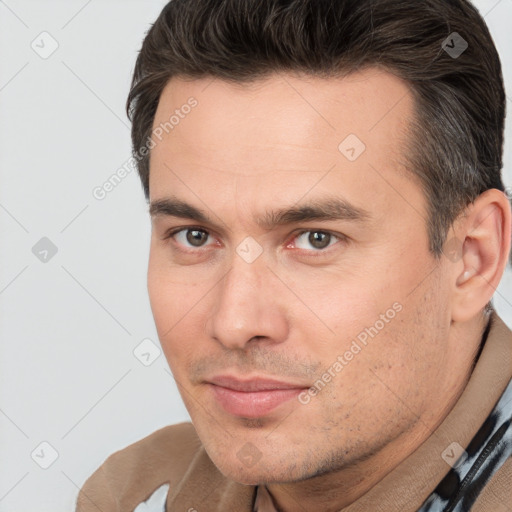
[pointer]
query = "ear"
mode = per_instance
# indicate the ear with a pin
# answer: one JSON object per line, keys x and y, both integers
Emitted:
{"x": 484, "y": 236}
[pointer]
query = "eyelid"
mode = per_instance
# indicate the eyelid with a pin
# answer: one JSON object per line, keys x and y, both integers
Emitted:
{"x": 169, "y": 233}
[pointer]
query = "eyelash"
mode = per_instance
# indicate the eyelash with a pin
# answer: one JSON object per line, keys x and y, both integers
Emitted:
{"x": 312, "y": 253}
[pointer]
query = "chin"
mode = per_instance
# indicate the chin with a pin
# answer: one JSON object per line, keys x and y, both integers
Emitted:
{"x": 247, "y": 476}
{"x": 263, "y": 471}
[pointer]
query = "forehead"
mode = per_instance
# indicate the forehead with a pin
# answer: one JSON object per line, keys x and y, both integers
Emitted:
{"x": 282, "y": 128}
{"x": 284, "y": 108}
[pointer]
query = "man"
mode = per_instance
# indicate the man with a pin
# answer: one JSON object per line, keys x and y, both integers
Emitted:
{"x": 329, "y": 226}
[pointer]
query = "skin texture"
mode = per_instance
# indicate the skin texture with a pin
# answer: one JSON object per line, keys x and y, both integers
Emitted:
{"x": 248, "y": 149}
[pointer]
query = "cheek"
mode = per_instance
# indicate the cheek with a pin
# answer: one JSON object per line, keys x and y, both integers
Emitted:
{"x": 338, "y": 306}
{"x": 387, "y": 336}
{"x": 168, "y": 305}
{"x": 171, "y": 295}
{"x": 407, "y": 359}
{"x": 178, "y": 311}
{"x": 162, "y": 300}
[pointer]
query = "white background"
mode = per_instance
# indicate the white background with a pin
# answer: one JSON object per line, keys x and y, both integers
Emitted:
{"x": 68, "y": 327}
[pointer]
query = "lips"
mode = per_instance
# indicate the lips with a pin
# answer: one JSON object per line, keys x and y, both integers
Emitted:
{"x": 252, "y": 385}
{"x": 252, "y": 398}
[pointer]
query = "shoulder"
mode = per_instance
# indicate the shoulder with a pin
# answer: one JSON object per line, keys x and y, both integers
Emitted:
{"x": 129, "y": 476}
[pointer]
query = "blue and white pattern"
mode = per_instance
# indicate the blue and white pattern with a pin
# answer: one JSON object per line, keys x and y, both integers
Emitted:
{"x": 156, "y": 502}
{"x": 485, "y": 454}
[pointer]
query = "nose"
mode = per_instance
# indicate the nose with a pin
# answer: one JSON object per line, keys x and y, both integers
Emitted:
{"x": 247, "y": 306}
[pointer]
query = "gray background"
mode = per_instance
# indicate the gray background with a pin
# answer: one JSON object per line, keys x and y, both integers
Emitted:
{"x": 71, "y": 322}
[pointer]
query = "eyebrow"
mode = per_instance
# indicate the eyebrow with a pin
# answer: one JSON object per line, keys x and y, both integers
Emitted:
{"x": 320, "y": 209}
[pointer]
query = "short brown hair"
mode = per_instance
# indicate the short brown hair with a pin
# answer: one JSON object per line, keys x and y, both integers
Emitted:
{"x": 456, "y": 137}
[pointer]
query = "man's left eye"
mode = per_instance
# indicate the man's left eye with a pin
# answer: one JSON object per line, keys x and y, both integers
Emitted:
{"x": 317, "y": 240}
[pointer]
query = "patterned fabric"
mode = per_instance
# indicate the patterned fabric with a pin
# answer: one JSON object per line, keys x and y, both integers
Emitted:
{"x": 486, "y": 453}
{"x": 459, "y": 489}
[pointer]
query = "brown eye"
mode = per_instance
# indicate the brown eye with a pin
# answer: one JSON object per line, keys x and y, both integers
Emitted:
{"x": 319, "y": 240}
{"x": 196, "y": 237}
{"x": 190, "y": 237}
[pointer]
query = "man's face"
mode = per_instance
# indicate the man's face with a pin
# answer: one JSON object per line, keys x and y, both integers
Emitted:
{"x": 349, "y": 313}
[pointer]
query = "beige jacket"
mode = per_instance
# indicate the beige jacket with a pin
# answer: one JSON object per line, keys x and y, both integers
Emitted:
{"x": 174, "y": 455}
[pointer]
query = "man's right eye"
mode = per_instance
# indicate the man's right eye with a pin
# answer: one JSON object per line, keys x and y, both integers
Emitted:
{"x": 191, "y": 237}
